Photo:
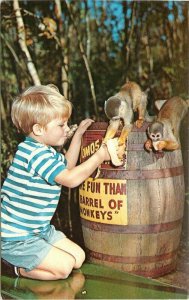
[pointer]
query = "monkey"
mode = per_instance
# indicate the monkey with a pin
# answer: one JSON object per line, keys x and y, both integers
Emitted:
{"x": 122, "y": 106}
{"x": 163, "y": 133}
{"x": 49, "y": 28}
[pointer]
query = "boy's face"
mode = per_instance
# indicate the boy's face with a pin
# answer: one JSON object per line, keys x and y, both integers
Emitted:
{"x": 55, "y": 133}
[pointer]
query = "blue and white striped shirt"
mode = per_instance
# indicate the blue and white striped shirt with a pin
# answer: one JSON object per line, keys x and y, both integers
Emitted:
{"x": 29, "y": 194}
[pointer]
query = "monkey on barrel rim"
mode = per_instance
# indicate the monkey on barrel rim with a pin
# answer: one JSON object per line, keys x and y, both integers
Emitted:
{"x": 122, "y": 106}
{"x": 163, "y": 133}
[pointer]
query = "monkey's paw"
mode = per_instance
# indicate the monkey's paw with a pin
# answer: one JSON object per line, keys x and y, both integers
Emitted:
{"x": 115, "y": 152}
{"x": 139, "y": 123}
{"x": 148, "y": 145}
{"x": 158, "y": 146}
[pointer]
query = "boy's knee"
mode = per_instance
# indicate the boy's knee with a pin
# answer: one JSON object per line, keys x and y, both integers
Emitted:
{"x": 64, "y": 271}
{"x": 80, "y": 259}
{"x": 62, "y": 274}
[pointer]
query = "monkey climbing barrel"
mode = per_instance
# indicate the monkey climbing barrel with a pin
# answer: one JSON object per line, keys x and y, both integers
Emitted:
{"x": 132, "y": 216}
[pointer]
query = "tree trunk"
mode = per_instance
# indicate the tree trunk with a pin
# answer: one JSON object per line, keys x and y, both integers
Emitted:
{"x": 88, "y": 43}
{"x": 22, "y": 41}
{"x": 64, "y": 55}
{"x": 85, "y": 61}
{"x": 128, "y": 35}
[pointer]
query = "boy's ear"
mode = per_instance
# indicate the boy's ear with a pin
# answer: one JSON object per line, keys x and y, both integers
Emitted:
{"x": 38, "y": 129}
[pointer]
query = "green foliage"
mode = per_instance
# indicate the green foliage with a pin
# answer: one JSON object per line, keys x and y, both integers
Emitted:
{"x": 9, "y": 143}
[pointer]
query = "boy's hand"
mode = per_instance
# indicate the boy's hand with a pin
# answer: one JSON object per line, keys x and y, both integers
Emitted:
{"x": 104, "y": 149}
{"x": 83, "y": 126}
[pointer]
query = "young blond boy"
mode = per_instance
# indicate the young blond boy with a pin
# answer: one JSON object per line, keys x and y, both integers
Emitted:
{"x": 31, "y": 191}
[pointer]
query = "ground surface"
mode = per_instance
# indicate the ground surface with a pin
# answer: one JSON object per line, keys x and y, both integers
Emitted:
{"x": 180, "y": 277}
{"x": 99, "y": 282}
{"x": 91, "y": 282}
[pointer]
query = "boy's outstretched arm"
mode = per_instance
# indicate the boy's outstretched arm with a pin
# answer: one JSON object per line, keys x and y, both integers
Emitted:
{"x": 75, "y": 176}
{"x": 74, "y": 149}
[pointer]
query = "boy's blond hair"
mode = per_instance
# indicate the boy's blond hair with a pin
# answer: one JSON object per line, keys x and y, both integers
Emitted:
{"x": 39, "y": 105}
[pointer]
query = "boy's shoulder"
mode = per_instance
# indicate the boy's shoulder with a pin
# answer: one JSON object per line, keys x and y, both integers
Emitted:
{"x": 29, "y": 146}
{"x": 32, "y": 147}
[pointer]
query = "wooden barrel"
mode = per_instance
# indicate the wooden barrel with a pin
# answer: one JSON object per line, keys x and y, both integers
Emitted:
{"x": 184, "y": 136}
{"x": 132, "y": 215}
